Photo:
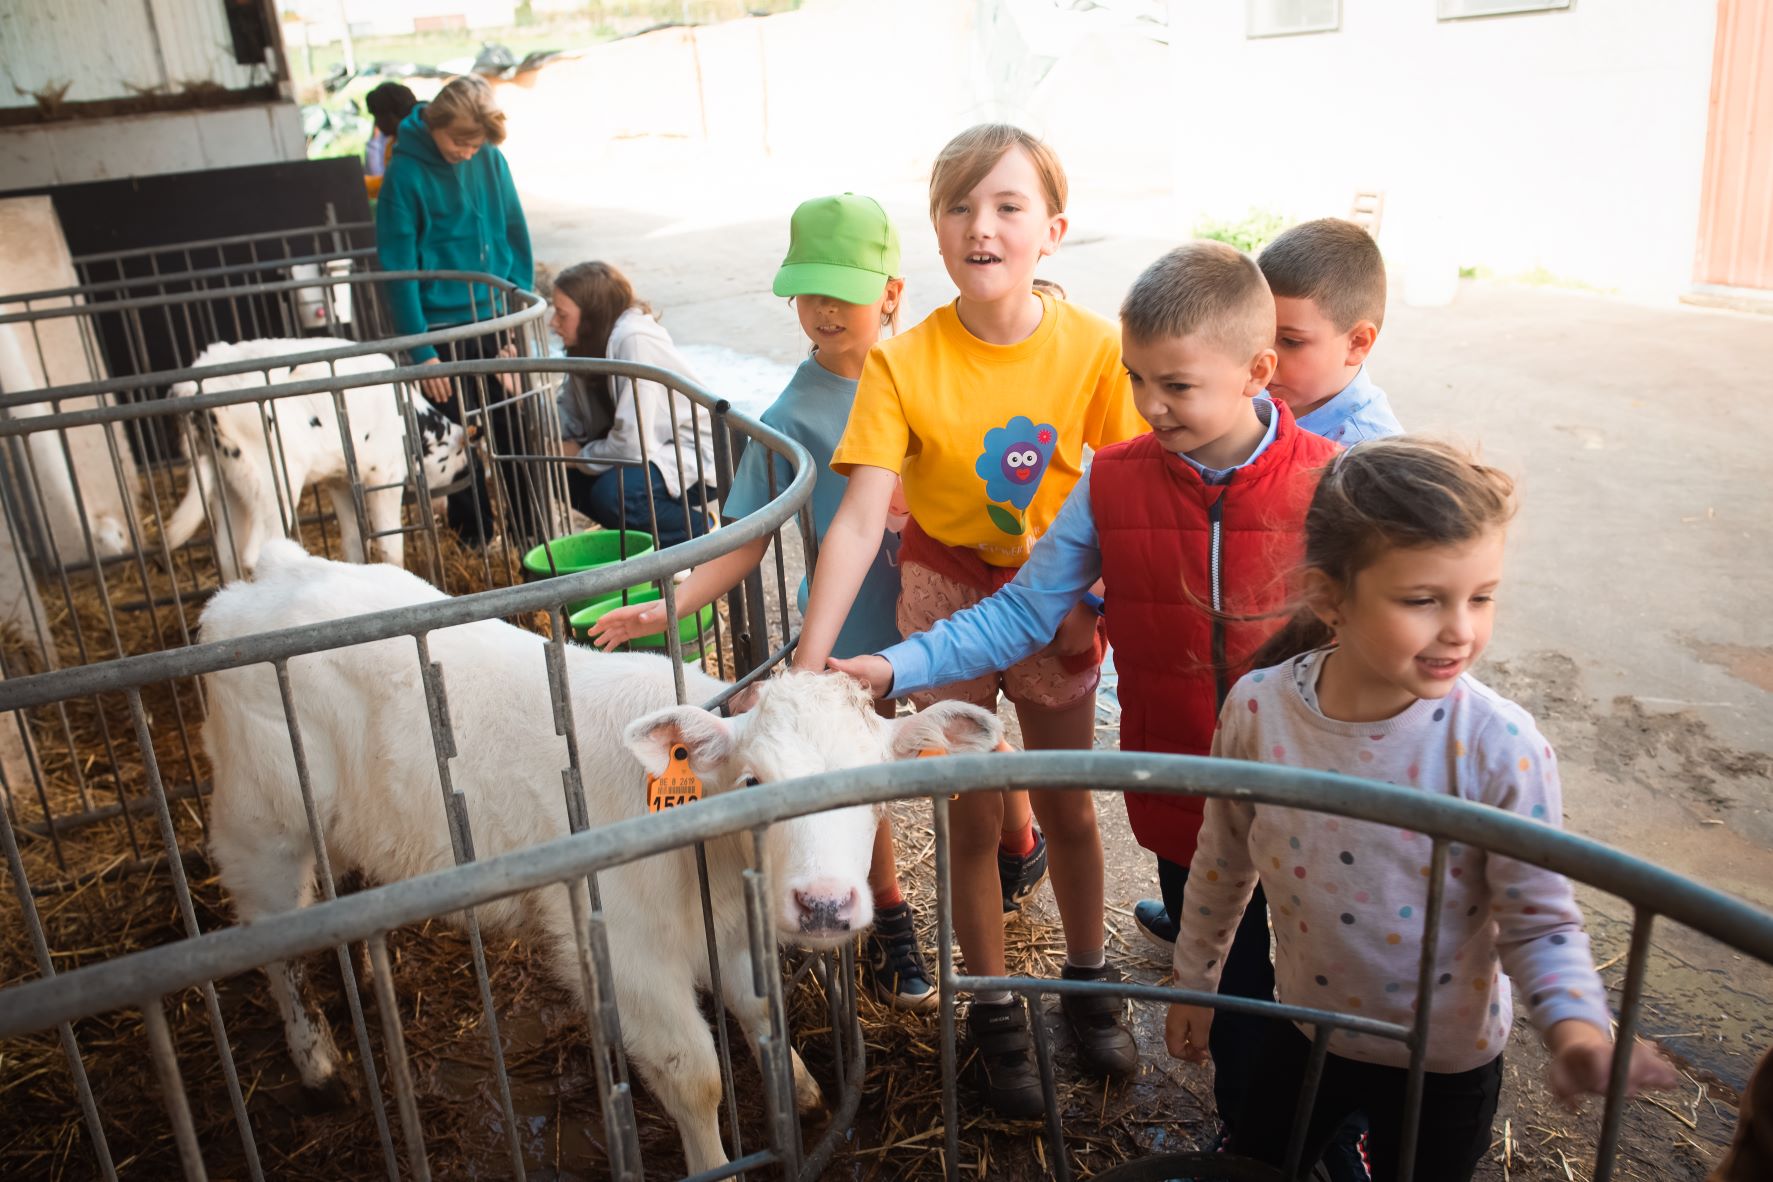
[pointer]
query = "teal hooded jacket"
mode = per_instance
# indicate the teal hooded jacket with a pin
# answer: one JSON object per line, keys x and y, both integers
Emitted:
{"x": 436, "y": 216}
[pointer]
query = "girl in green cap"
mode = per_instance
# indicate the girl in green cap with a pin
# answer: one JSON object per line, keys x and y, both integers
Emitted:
{"x": 842, "y": 272}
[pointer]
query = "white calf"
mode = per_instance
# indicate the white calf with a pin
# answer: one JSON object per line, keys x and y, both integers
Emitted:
{"x": 367, "y": 739}
{"x": 54, "y": 479}
{"x": 304, "y": 444}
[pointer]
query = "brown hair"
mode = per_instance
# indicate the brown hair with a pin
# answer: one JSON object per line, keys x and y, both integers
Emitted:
{"x": 1403, "y": 492}
{"x": 602, "y": 294}
{"x": 467, "y": 99}
{"x": 1334, "y": 264}
{"x": 965, "y": 159}
{"x": 1204, "y": 288}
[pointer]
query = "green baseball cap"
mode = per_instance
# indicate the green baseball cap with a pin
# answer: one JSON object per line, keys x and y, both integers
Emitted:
{"x": 844, "y": 247}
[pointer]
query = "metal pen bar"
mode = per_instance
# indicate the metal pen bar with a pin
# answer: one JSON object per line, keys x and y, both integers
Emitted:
{"x": 394, "y": 1046}
{"x": 946, "y": 985}
{"x": 1624, "y": 1042}
{"x": 1058, "y": 1162}
{"x": 1294, "y": 1165}
{"x": 722, "y": 1040}
{"x": 1426, "y": 983}
{"x": 328, "y": 890}
{"x": 182, "y": 892}
{"x": 455, "y": 807}
{"x": 95, "y": 1130}
{"x": 172, "y": 1090}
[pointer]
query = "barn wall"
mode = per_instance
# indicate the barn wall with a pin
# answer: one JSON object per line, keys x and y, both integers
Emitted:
{"x": 1568, "y": 142}
{"x": 75, "y": 151}
{"x": 116, "y": 49}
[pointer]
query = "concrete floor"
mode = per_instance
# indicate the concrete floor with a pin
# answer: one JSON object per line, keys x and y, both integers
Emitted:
{"x": 1632, "y": 621}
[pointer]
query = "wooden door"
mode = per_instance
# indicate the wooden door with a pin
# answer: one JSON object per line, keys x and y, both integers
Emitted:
{"x": 1736, "y": 217}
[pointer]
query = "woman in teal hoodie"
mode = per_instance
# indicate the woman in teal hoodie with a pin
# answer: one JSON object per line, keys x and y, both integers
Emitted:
{"x": 447, "y": 204}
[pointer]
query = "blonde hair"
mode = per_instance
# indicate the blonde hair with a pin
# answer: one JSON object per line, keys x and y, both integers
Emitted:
{"x": 1207, "y": 289}
{"x": 467, "y": 99}
{"x": 964, "y": 160}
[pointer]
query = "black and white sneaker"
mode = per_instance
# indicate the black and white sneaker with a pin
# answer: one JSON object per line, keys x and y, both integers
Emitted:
{"x": 1159, "y": 930}
{"x": 1021, "y": 875}
{"x": 892, "y": 966}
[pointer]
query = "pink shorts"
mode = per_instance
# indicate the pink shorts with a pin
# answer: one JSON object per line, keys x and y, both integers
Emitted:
{"x": 1046, "y": 679}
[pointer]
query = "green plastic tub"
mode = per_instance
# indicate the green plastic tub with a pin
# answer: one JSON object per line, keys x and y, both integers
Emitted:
{"x": 586, "y": 551}
{"x": 577, "y": 552}
{"x": 691, "y": 630}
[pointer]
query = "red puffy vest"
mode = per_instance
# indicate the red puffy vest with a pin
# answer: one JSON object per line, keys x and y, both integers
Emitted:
{"x": 1170, "y": 544}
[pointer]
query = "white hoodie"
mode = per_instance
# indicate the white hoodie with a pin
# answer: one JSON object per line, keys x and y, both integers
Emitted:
{"x": 648, "y": 414}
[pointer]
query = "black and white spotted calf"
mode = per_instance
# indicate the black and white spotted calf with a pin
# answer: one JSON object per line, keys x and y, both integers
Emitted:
{"x": 246, "y": 475}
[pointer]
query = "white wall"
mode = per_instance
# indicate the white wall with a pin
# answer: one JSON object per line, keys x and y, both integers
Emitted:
{"x": 103, "y": 49}
{"x": 1572, "y": 141}
{"x": 845, "y": 89}
{"x": 76, "y": 150}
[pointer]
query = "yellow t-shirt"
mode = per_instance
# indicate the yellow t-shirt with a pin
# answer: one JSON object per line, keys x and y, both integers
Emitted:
{"x": 989, "y": 439}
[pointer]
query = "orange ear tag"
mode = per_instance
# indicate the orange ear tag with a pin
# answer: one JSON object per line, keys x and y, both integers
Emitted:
{"x": 679, "y": 785}
{"x": 931, "y": 753}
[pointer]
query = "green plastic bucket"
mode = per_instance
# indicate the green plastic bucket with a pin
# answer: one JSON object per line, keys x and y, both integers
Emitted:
{"x": 586, "y": 551}
{"x": 690, "y": 629}
{"x": 577, "y": 552}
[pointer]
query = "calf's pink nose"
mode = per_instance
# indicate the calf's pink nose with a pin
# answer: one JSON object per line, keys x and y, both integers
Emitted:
{"x": 826, "y": 905}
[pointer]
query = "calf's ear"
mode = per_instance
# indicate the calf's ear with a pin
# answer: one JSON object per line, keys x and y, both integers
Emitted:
{"x": 949, "y": 727}
{"x": 707, "y": 738}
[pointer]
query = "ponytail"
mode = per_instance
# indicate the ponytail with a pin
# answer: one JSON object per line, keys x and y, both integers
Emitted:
{"x": 1302, "y": 633}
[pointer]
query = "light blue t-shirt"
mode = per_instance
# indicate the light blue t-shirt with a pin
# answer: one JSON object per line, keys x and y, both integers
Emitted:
{"x": 1358, "y": 412}
{"x": 812, "y": 410}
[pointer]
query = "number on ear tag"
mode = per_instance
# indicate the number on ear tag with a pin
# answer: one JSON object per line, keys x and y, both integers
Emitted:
{"x": 679, "y": 785}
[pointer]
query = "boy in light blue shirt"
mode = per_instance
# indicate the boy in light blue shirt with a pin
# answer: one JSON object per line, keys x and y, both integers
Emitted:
{"x": 1328, "y": 280}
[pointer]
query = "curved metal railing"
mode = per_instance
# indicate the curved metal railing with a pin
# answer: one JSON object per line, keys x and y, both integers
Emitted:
{"x": 1653, "y": 892}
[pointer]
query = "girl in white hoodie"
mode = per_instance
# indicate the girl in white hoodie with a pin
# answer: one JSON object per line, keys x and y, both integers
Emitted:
{"x": 606, "y": 420}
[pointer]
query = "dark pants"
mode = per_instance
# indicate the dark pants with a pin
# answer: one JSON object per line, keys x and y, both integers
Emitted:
{"x": 472, "y": 401}
{"x": 1248, "y": 973}
{"x": 1236, "y": 1037}
{"x": 1457, "y": 1109}
{"x": 617, "y": 499}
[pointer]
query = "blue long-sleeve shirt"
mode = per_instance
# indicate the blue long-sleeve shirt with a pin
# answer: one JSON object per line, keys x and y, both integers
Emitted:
{"x": 1022, "y": 616}
{"x": 1359, "y": 411}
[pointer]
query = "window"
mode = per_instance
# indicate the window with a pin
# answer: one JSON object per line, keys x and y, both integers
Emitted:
{"x": 1283, "y": 18}
{"x": 1452, "y": 10}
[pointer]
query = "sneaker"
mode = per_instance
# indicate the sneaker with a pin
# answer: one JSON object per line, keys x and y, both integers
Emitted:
{"x": 892, "y": 967}
{"x": 1104, "y": 1043}
{"x": 1009, "y": 1077}
{"x": 1159, "y": 930}
{"x": 1021, "y": 874}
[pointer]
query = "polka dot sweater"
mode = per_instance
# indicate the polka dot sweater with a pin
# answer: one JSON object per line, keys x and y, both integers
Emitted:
{"x": 1346, "y": 898}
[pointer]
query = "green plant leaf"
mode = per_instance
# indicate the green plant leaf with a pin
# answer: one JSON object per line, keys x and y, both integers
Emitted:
{"x": 1004, "y": 519}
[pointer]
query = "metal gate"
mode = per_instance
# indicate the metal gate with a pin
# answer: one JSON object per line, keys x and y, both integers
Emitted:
{"x": 77, "y": 763}
{"x": 155, "y": 779}
{"x": 142, "y": 983}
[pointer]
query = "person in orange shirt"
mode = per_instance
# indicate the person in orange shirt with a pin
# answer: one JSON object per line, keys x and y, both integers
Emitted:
{"x": 984, "y": 411}
{"x": 387, "y": 104}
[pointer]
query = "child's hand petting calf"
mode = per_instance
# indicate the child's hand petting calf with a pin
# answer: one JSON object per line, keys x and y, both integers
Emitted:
{"x": 872, "y": 671}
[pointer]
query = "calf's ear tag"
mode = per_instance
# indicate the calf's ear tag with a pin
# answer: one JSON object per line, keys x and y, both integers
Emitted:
{"x": 678, "y": 785}
{"x": 931, "y": 753}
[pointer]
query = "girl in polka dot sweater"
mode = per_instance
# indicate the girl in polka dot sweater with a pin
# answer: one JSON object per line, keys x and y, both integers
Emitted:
{"x": 1404, "y": 547}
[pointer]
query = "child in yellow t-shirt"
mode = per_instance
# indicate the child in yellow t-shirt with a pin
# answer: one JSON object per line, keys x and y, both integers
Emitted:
{"x": 983, "y": 411}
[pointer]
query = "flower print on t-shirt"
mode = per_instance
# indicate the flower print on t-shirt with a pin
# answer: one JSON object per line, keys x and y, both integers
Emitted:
{"x": 1015, "y": 458}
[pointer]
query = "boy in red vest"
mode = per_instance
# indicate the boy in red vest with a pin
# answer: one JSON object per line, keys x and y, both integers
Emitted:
{"x": 1204, "y": 512}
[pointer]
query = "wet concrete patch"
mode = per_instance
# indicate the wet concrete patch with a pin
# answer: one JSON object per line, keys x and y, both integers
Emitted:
{"x": 1742, "y": 661}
